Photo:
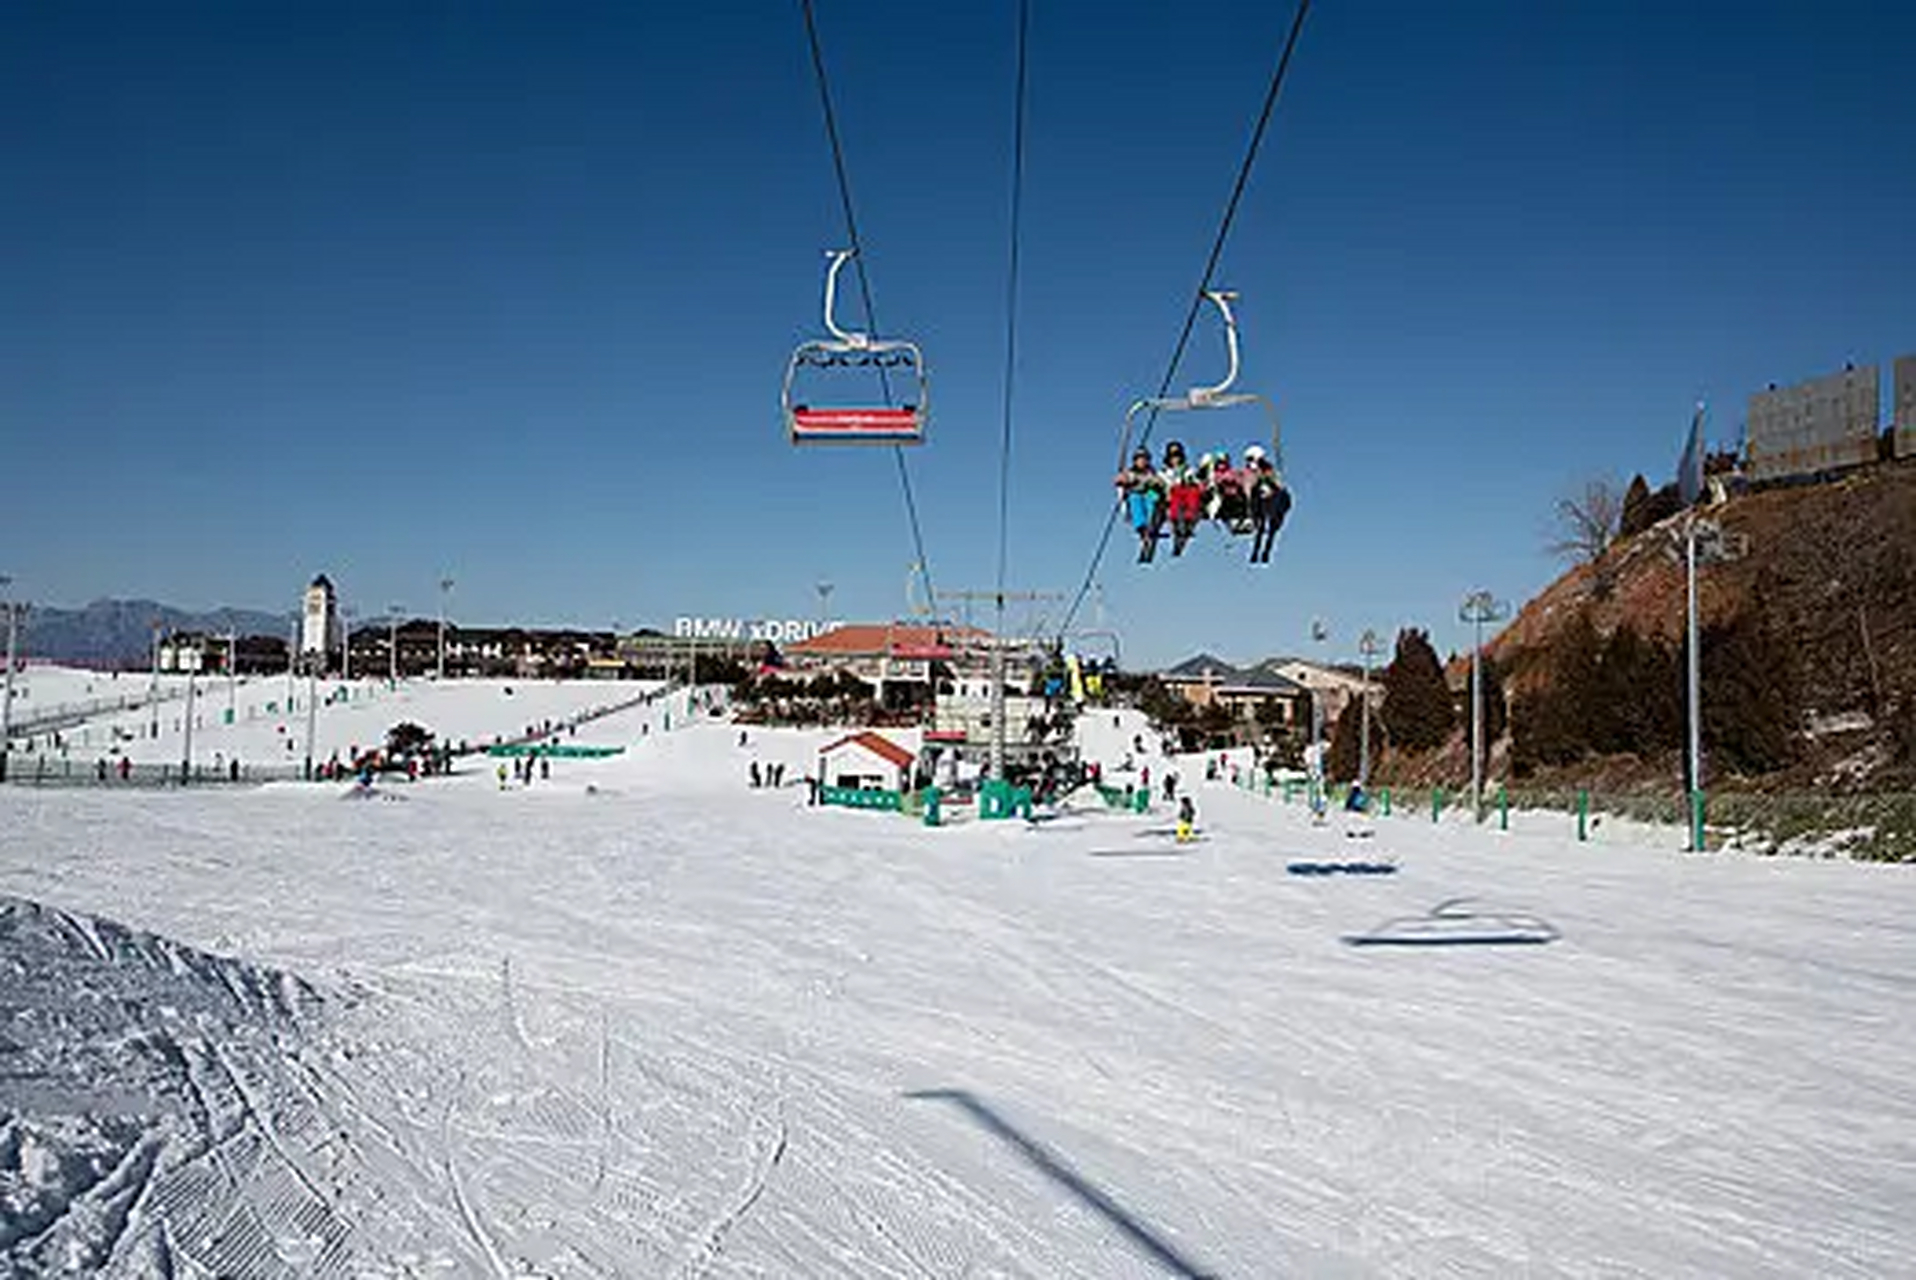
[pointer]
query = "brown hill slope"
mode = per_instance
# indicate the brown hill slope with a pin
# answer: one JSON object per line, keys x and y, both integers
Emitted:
{"x": 1830, "y": 569}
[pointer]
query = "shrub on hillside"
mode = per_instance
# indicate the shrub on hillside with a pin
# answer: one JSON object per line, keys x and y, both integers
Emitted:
{"x": 1748, "y": 692}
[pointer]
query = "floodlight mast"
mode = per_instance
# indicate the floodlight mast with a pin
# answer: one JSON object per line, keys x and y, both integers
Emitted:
{"x": 1478, "y": 608}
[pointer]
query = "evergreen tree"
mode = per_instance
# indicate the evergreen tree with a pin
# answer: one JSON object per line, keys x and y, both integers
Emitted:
{"x": 1496, "y": 701}
{"x": 1418, "y": 697}
{"x": 1553, "y": 724}
{"x": 1748, "y": 692}
{"x": 1346, "y": 753}
{"x": 1636, "y": 507}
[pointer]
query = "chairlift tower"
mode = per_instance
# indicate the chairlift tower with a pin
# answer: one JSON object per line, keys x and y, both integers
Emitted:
{"x": 998, "y": 646}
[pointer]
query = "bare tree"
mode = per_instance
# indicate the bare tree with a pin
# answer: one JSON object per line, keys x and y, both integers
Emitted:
{"x": 1587, "y": 521}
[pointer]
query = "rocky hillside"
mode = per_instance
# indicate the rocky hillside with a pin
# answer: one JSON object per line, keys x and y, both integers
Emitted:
{"x": 1829, "y": 572}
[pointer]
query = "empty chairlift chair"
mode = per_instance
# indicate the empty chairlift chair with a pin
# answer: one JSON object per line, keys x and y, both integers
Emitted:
{"x": 819, "y": 369}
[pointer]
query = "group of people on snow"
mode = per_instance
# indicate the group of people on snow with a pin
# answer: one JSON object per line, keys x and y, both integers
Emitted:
{"x": 1248, "y": 499}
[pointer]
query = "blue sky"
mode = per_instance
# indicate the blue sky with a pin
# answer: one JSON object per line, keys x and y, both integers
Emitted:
{"x": 505, "y": 292}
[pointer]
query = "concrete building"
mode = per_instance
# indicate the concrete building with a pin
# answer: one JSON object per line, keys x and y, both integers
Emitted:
{"x": 1205, "y": 681}
{"x": 887, "y": 653}
{"x": 1824, "y": 424}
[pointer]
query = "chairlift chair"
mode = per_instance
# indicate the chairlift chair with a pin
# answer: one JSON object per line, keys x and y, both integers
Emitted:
{"x": 1216, "y": 396}
{"x": 841, "y": 423}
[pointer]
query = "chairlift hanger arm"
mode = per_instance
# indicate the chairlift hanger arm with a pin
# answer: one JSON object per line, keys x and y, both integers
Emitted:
{"x": 851, "y": 341}
{"x": 1222, "y": 299}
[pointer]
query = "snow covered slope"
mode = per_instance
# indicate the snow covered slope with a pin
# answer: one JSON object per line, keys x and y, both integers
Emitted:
{"x": 642, "y": 1020}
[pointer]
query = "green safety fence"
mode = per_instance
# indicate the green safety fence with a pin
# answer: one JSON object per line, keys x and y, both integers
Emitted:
{"x": 860, "y": 798}
{"x": 567, "y": 751}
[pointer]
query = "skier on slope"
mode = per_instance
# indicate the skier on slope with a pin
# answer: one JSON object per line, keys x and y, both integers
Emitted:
{"x": 1187, "y": 820}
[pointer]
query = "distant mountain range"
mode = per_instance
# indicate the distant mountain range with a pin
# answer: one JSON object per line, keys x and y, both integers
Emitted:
{"x": 119, "y": 633}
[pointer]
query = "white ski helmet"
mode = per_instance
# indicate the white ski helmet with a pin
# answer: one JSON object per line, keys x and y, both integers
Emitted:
{"x": 1254, "y": 454}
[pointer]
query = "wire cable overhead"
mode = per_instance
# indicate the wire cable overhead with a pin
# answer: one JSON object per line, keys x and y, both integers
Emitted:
{"x": 923, "y": 563}
{"x": 1225, "y": 222}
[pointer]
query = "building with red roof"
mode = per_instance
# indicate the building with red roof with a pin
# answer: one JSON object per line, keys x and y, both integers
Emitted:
{"x": 866, "y": 761}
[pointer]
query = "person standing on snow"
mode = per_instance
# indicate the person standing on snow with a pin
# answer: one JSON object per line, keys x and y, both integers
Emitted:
{"x": 1187, "y": 820}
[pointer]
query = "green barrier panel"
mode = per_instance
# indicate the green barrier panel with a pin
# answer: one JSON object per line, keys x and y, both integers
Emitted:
{"x": 567, "y": 751}
{"x": 1436, "y": 803}
{"x": 858, "y": 798}
{"x": 930, "y": 803}
{"x": 1140, "y": 801}
{"x": 1503, "y": 808}
{"x": 1696, "y": 821}
{"x": 1385, "y": 797}
{"x": 226, "y": 716}
{"x": 1583, "y": 815}
{"x": 998, "y": 799}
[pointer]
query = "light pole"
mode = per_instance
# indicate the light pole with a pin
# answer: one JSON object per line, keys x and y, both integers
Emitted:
{"x": 345, "y": 644}
{"x": 186, "y": 743}
{"x": 6, "y": 699}
{"x": 292, "y": 663}
{"x": 1478, "y": 608}
{"x": 1320, "y": 635}
{"x": 1705, "y": 542}
{"x": 392, "y": 644}
{"x": 232, "y": 677}
{"x": 1370, "y": 646}
{"x": 445, "y": 590}
{"x": 312, "y": 711}
{"x": 824, "y": 604}
{"x": 153, "y": 686}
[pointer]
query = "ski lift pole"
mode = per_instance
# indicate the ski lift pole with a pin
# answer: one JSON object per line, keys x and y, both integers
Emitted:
{"x": 1694, "y": 680}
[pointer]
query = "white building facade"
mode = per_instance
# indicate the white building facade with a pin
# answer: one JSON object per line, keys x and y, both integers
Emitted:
{"x": 319, "y": 632}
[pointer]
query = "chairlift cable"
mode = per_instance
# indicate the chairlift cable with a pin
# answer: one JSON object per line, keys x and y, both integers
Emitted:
{"x": 1197, "y": 298}
{"x": 864, "y": 284}
{"x": 1011, "y": 303}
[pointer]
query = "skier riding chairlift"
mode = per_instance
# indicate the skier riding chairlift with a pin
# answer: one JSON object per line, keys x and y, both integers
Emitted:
{"x": 1249, "y": 501}
{"x": 855, "y": 424}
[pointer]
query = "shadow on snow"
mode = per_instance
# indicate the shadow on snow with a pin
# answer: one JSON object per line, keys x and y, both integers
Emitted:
{"x": 1053, "y": 1167}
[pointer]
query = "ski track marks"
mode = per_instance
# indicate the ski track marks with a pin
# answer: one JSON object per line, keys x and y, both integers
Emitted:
{"x": 676, "y": 1028}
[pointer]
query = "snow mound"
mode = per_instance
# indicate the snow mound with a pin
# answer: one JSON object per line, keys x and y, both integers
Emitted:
{"x": 148, "y": 1119}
